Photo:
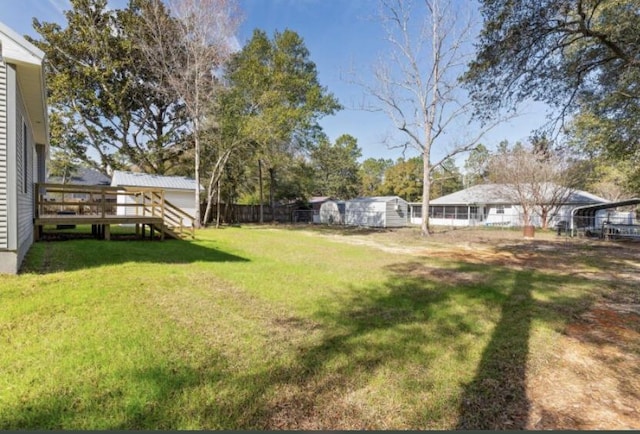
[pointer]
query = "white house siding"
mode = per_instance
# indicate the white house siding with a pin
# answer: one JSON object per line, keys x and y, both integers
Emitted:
{"x": 4, "y": 216}
{"x": 503, "y": 215}
{"x": 25, "y": 192}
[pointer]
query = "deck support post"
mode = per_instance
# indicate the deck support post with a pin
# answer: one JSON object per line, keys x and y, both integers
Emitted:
{"x": 107, "y": 232}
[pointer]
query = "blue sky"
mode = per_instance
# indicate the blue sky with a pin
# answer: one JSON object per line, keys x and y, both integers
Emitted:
{"x": 341, "y": 35}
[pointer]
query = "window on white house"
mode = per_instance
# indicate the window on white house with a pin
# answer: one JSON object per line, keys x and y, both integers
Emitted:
{"x": 500, "y": 209}
{"x": 25, "y": 157}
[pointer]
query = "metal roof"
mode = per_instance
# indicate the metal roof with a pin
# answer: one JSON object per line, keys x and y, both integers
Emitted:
{"x": 131, "y": 179}
{"x": 376, "y": 199}
{"x": 319, "y": 199}
{"x": 496, "y": 194}
{"x": 590, "y": 210}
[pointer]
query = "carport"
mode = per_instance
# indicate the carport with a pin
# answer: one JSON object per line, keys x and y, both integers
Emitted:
{"x": 587, "y": 221}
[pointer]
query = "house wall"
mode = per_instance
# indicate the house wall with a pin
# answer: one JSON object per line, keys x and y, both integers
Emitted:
{"x": 17, "y": 169}
{"x": 26, "y": 166}
{"x": 4, "y": 217}
{"x": 503, "y": 215}
{"x": 9, "y": 262}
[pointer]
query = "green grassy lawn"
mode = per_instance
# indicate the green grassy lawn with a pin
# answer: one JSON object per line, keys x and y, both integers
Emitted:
{"x": 259, "y": 327}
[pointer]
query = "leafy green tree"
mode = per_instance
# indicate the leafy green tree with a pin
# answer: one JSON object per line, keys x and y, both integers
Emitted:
{"x": 297, "y": 182}
{"x": 105, "y": 106}
{"x": 599, "y": 142}
{"x": 404, "y": 179}
{"x": 446, "y": 179}
{"x": 604, "y": 178}
{"x": 579, "y": 56}
{"x": 372, "y": 175}
{"x": 477, "y": 166}
{"x": 276, "y": 84}
{"x": 63, "y": 164}
{"x": 203, "y": 30}
{"x": 336, "y": 168}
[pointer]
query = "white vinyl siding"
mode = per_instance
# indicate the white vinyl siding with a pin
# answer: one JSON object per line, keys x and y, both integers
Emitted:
{"x": 4, "y": 217}
{"x": 25, "y": 153}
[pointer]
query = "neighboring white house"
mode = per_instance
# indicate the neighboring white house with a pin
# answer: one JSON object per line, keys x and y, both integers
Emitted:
{"x": 488, "y": 205}
{"x": 24, "y": 143}
{"x": 380, "y": 211}
{"x": 178, "y": 190}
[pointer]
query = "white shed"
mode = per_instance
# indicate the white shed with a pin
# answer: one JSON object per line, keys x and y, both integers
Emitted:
{"x": 332, "y": 212}
{"x": 178, "y": 190}
{"x": 380, "y": 211}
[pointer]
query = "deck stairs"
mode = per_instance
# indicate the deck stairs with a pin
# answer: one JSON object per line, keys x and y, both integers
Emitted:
{"x": 176, "y": 224}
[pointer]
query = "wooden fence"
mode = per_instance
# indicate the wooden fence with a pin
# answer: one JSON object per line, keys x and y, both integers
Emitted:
{"x": 234, "y": 213}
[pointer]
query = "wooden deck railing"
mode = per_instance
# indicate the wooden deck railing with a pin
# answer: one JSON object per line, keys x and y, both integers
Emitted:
{"x": 108, "y": 202}
{"x": 174, "y": 217}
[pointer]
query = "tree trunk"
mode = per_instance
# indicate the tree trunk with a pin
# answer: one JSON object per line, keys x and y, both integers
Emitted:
{"x": 544, "y": 216}
{"x": 207, "y": 210}
{"x": 218, "y": 204}
{"x": 261, "y": 191}
{"x": 196, "y": 132}
{"x": 426, "y": 180}
{"x": 272, "y": 204}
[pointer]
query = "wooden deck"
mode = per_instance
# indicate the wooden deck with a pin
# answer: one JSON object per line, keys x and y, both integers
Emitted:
{"x": 103, "y": 206}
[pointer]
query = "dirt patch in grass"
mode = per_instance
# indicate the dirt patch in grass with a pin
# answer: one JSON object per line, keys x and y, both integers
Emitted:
{"x": 594, "y": 381}
{"x": 590, "y": 379}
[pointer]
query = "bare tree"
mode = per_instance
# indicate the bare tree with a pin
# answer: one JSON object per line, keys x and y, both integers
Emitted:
{"x": 417, "y": 83}
{"x": 538, "y": 182}
{"x": 205, "y": 29}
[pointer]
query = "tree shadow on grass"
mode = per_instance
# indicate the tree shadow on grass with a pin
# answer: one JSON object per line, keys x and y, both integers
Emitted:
{"x": 497, "y": 397}
{"x": 44, "y": 258}
{"x": 402, "y": 324}
{"x": 409, "y": 320}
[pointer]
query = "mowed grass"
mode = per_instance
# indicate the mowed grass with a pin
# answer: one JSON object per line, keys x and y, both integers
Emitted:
{"x": 267, "y": 328}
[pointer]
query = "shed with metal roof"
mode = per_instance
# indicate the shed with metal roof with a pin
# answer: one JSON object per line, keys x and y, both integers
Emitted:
{"x": 178, "y": 190}
{"x": 377, "y": 211}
